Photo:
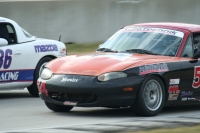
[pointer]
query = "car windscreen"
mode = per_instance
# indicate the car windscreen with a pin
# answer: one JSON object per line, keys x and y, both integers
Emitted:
{"x": 145, "y": 40}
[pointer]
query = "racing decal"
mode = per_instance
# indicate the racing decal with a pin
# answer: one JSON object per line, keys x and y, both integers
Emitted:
{"x": 173, "y": 96}
{"x": 190, "y": 98}
{"x": 65, "y": 79}
{"x": 197, "y": 98}
{"x": 158, "y": 30}
{"x": 184, "y": 99}
{"x": 16, "y": 75}
{"x": 5, "y": 58}
{"x": 63, "y": 51}
{"x": 174, "y": 81}
{"x": 174, "y": 89}
{"x": 8, "y": 76}
{"x": 196, "y": 80}
{"x": 42, "y": 87}
{"x": 118, "y": 56}
{"x": 161, "y": 67}
{"x": 45, "y": 48}
{"x": 173, "y": 92}
{"x": 186, "y": 93}
{"x": 70, "y": 103}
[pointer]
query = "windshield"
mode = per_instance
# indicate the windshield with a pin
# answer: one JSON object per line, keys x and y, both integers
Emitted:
{"x": 145, "y": 41}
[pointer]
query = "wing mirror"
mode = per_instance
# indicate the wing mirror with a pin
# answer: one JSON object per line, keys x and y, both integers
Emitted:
{"x": 100, "y": 45}
{"x": 3, "y": 42}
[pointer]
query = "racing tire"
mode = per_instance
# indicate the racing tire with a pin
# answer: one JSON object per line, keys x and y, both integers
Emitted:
{"x": 58, "y": 108}
{"x": 151, "y": 97}
{"x": 33, "y": 90}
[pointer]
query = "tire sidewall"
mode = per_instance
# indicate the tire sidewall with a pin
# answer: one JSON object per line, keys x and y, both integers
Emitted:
{"x": 33, "y": 90}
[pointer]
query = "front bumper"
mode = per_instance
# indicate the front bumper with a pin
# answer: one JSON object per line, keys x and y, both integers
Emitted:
{"x": 87, "y": 91}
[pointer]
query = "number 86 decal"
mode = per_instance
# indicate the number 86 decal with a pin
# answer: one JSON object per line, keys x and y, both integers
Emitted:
{"x": 5, "y": 59}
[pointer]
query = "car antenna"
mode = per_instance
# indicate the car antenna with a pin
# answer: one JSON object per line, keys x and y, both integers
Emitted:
{"x": 59, "y": 38}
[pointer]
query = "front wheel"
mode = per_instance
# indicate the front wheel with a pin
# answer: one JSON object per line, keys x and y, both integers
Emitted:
{"x": 151, "y": 97}
{"x": 58, "y": 108}
{"x": 33, "y": 90}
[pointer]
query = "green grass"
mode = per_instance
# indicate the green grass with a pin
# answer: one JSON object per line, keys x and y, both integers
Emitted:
{"x": 188, "y": 129}
{"x": 81, "y": 48}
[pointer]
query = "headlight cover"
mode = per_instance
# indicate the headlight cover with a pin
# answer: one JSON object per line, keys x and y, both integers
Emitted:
{"x": 111, "y": 75}
{"x": 46, "y": 74}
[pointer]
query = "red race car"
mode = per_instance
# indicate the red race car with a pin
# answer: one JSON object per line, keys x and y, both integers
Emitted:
{"x": 142, "y": 66}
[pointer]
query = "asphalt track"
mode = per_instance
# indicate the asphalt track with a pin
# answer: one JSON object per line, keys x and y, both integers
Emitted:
{"x": 21, "y": 113}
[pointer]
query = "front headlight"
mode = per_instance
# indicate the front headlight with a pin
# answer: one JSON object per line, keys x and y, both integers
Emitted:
{"x": 111, "y": 75}
{"x": 46, "y": 74}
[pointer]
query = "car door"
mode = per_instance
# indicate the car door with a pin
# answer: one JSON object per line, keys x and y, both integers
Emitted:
{"x": 12, "y": 59}
{"x": 190, "y": 72}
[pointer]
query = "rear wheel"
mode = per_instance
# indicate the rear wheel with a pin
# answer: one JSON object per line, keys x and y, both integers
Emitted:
{"x": 58, "y": 108}
{"x": 33, "y": 90}
{"x": 151, "y": 97}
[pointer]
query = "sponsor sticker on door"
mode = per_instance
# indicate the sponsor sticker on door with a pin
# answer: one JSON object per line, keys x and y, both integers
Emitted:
{"x": 174, "y": 81}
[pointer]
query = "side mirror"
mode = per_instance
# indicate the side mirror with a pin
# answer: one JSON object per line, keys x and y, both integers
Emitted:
{"x": 196, "y": 54}
{"x": 100, "y": 45}
{"x": 3, "y": 42}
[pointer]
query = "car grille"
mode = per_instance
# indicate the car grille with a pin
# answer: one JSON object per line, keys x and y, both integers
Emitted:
{"x": 76, "y": 97}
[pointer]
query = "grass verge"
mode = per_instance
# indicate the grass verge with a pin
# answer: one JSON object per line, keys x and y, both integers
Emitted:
{"x": 81, "y": 48}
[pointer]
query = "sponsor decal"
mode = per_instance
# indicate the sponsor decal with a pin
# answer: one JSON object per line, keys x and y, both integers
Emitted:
{"x": 173, "y": 96}
{"x": 191, "y": 98}
{"x": 173, "y": 92}
{"x": 197, "y": 98}
{"x": 184, "y": 99}
{"x": 9, "y": 76}
{"x": 161, "y": 67}
{"x": 196, "y": 80}
{"x": 63, "y": 51}
{"x": 16, "y": 75}
{"x": 174, "y": 81}
{"x": 174, "y": 89}
{"x": 45, "y": 48}
{"x": 42, "y": 88}
{"x": 65, "y": 79}
{"x": 70, "y": 103}
{"x": 158, "y": 30}
{"x": 118, "y": 56}
{"x": 186, "y": 93}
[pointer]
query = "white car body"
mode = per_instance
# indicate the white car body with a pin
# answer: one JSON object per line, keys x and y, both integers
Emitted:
{"x": 20, "y": 57}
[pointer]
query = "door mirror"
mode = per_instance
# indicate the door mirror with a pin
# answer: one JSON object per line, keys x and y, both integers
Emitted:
{"x": 100, "y": 45}
{"x": 197, "y": 54}
{"x": 3, "y": 42}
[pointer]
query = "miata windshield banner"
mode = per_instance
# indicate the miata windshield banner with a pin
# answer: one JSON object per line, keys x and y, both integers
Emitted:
{"x": 157, "y": 30}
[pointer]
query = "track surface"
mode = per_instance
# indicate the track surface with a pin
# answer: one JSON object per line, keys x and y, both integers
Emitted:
{"x": 20, "y": 113}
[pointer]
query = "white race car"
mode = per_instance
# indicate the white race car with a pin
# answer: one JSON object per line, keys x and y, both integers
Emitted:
{"x": 22, "y": 56}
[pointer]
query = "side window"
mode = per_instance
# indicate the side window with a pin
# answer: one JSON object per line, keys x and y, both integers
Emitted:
{"x": 7, "y": 32}
{"x": 188, "y": 49}
{"x": 196, "y": 40}
{"x": 12, "y": 34}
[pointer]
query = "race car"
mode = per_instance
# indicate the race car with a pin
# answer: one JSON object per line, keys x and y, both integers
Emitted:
{"x": 142, "y": 66}
{"x": 22, "y": 56}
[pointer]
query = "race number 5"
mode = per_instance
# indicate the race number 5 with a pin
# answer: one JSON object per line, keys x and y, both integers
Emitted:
{"x": 196, "y": 80}
{"x": 5, "y": 58}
